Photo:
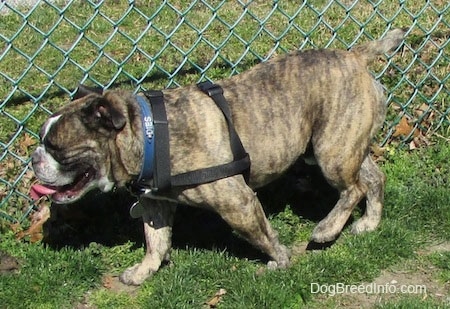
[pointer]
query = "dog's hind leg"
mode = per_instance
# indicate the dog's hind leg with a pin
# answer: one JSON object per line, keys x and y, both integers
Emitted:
{"x": 342, "y": 173}
{"x": 239, "y": 206}
{"x": 331, "y": 226}
{"x": 158, "y": 220}
{"x": 371, "y": 175}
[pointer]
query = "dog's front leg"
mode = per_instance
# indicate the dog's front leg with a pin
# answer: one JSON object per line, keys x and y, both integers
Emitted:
{"x": 158, "y": 220}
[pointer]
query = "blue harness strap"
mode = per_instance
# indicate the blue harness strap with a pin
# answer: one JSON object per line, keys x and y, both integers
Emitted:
{"x": 149, "y": 145}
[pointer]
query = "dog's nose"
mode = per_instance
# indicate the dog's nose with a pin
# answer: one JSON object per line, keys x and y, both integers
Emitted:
{"x": 36, "y": 157}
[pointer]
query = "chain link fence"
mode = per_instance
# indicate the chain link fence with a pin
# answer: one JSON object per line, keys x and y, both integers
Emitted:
{"x": 48, "y": 47}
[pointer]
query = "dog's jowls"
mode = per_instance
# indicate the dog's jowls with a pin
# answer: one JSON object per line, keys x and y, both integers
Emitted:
{"x": 326, "y": 99}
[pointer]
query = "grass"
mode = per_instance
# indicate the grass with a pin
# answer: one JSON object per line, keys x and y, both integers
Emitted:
{"x": 184, "y": 44}
{"x": 47, "y": 278}
{"x": 424, "y": 199}
{"x": 416, "y": 214}
{"x": 442, "y": 261}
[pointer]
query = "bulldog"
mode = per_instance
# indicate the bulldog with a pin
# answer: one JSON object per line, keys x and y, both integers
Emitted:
{"x": 324, "y": 100}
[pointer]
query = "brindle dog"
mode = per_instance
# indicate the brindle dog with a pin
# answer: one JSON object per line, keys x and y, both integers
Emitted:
{"x": 323, "y": 98}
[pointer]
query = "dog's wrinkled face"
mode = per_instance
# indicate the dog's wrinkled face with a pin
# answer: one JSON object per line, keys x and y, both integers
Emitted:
{"x": 74, "y": 156}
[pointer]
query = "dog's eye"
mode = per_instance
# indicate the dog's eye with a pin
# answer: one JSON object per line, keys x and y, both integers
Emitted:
{"x": 49, "y": 145}
{"x": 41, "y": 135}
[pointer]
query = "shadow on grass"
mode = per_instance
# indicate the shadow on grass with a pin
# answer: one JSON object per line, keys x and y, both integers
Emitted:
{"x": 104, "y": 218}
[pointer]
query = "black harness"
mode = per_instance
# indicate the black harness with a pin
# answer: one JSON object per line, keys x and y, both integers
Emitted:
{"x": 162, "y": 179}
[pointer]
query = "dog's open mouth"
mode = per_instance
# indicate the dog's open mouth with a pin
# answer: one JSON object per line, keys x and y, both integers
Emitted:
{"x": 66, "y": 193}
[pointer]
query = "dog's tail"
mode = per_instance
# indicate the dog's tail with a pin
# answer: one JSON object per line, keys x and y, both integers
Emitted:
{"x": 370, "y": 50}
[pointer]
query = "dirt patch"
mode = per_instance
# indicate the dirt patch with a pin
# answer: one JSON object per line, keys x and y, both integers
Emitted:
{"x": 113, "y": 284}
{"x": 411, "y": 279}
{"x": 8, "y": 263}
{"x": 110, "y": 283}
{"x": 437, "y": 247}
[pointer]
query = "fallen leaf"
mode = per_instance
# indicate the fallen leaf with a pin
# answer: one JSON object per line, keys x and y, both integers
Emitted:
{"x": 107, "y": 282}
{"x": 404, "y": 128}
{"x": 213, "y": 302}
{"x": 377, "y": 152}
{"x": 15, "y": 227}
{"x": 421, "y": 140}
{"x": 422, "y": 109}
{"x": 25, "y": 143}
{"x": 35, "y": 231}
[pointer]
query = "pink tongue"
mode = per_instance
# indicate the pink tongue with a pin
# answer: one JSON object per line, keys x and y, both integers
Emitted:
{"x": 37, "y": 191}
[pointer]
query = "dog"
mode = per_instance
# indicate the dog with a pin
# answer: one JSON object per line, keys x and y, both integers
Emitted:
{"x": 325, "y": 100}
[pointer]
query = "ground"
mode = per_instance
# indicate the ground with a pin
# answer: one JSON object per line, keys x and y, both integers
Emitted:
{"x": 413, "y": 273}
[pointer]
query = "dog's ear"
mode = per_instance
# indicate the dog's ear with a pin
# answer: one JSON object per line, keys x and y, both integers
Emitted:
{"x": 83, "y": 91}
{"x": 101, "y": 113}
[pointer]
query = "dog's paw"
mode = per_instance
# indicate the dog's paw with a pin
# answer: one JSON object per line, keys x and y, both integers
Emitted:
{"x": 364, "y": 225}
{"x": 135, "y": 275}
{"x": 324, "y": 235}
{"x": 282, "y": 259}
{"x": 272, "y": 265}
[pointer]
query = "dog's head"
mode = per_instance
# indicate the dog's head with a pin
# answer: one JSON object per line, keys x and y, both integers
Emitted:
{"x": 87, "y": 144}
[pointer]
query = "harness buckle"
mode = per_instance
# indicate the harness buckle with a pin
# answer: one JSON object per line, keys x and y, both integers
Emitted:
{"x": 153, "y": 94}
{"x": 209, "y": 88}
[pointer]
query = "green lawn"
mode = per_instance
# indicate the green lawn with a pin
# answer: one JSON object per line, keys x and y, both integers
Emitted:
{"x": 417, "y": 214}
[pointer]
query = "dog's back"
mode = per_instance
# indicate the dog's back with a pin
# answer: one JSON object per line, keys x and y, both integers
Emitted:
{"x": 318, "y": 95}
